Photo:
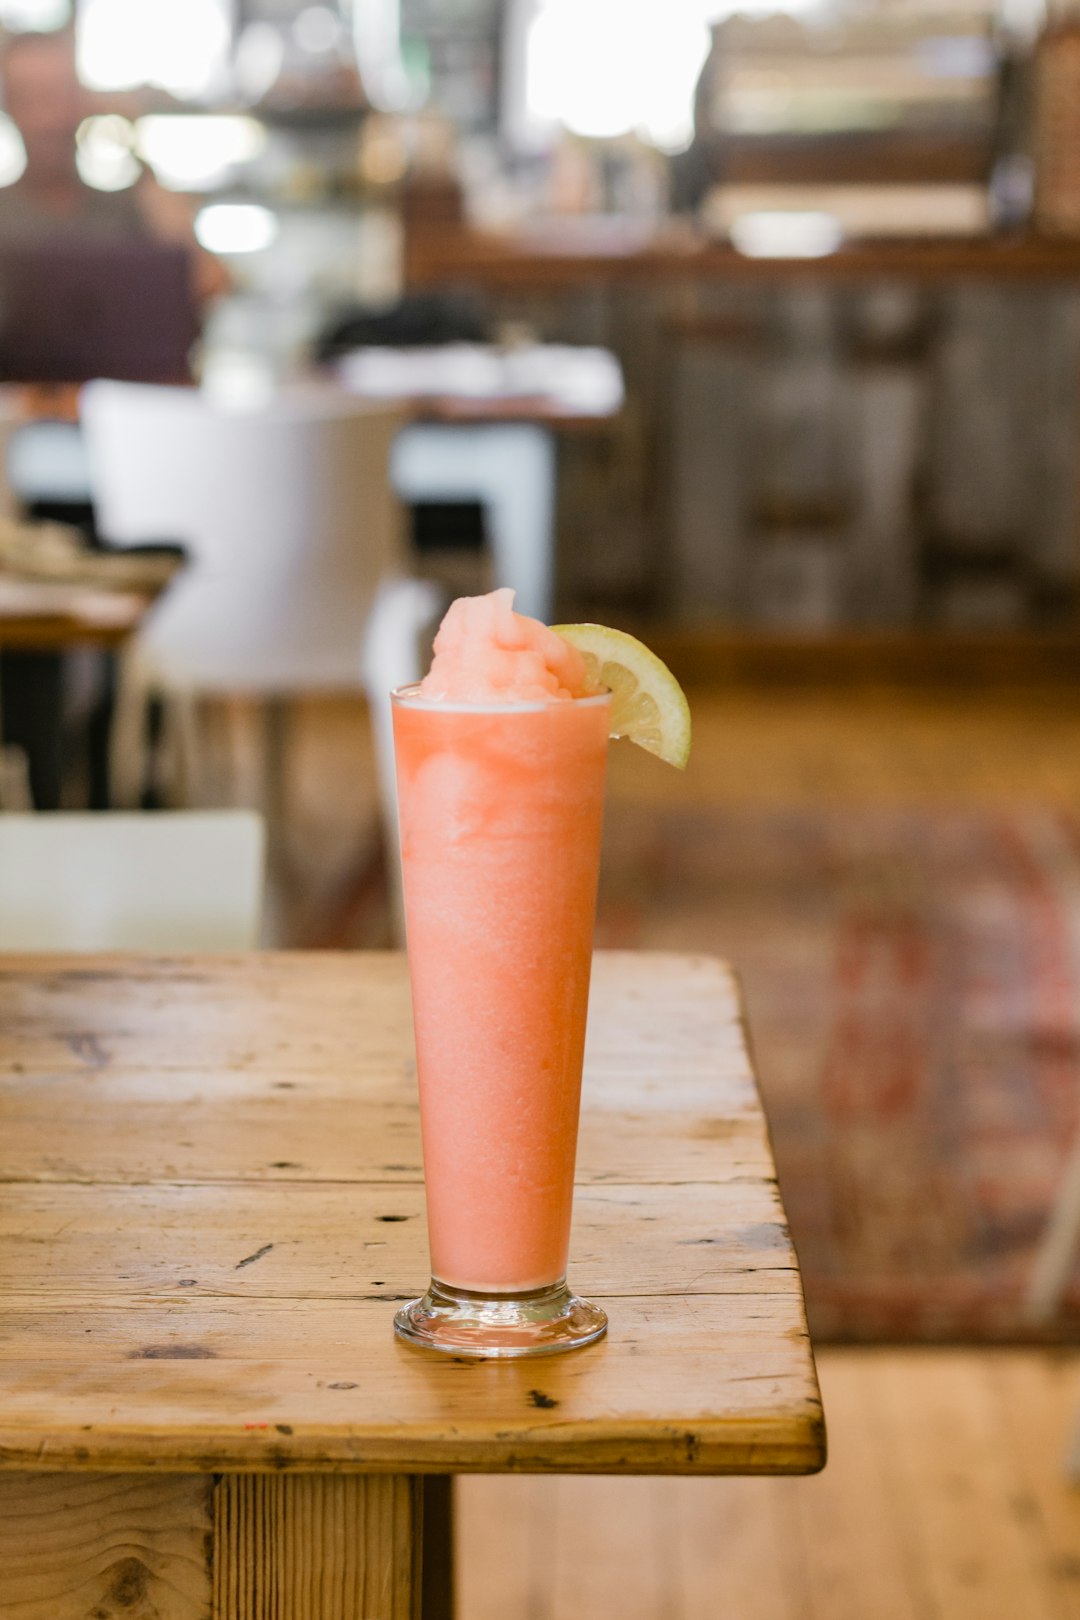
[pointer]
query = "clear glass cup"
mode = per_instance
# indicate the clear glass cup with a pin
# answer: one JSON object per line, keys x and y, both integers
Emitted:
{"x": 500, "y": 808}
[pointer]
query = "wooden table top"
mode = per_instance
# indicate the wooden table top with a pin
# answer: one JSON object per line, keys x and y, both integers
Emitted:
{"x": 537, "y": 409}
{"x": 58, "y": 618}
{"x": 213, "y": 1202}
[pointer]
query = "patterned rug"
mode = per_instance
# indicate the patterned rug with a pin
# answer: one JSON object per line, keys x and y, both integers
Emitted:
{"x": 913, "y": 985}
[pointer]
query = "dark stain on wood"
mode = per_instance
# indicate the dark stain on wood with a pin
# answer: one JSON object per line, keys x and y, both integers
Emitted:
{"x": 765, "y": 1235}
{"x": 250, "y": 1259}
{"x": 283, "y": 1428}
{"x": 172, "y": 1352}
{"x": 88, "y": 1049}
{"x": 391, "y": 1217}
{"x": 343, "y": 1383}
{"x": 538, "y": 1398}
{"x": 285, "y": 1164}
{"x": 188, "y": 1282}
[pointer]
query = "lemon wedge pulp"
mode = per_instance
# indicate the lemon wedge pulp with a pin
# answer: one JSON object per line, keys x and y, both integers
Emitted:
{"x": 648, "y": 705}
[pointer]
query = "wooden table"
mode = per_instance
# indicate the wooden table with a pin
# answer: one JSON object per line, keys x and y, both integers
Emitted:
{"x": 58, "y": 619}
{"x": 212, "y": 1204}
{"x": 37, "y": 629}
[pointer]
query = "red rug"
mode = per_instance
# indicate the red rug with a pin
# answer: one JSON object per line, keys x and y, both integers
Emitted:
{"x": 913, "y": 985}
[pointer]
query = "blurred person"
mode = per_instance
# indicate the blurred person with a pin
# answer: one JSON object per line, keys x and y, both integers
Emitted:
{"x": 47, "y": 103}
{"x": 695, "y": 171}
{"x": 46, "y": 698}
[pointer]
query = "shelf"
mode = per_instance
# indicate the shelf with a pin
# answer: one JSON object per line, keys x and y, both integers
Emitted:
{"x": 565, "y": 256}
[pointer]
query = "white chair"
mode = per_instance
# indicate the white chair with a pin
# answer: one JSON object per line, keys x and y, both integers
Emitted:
{"x": 296, "y": 544}
{"x": 167, "y": 881}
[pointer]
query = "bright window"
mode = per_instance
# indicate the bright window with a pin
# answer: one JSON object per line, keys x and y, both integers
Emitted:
{"x": 12, "y": 152}
{"x": 181, "y": 45}
{"x": 608, "y": 67}
{"x": 42, "y": 15}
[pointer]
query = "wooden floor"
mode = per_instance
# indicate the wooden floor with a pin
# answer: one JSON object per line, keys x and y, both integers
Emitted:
{"x": 868, "y": 745}
{"x": 751, "y": 746}
{"x": 840, "y": 745}
{"x": 944, "y": 1499}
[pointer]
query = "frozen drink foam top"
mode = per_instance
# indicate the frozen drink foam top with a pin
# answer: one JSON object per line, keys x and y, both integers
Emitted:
{"x": 487, "y": 653}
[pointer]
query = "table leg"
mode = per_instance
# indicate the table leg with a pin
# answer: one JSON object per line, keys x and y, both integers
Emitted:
{"x": 438, "y": 1560}
{"x": 31, "y": 692}
{"x": 99, "y": 734}
{"x": 238, "y": 1547}
{"x": 317, "y": 1547}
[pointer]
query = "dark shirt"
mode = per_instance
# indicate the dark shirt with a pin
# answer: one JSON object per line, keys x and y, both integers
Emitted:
{"x": 99, "y": 216}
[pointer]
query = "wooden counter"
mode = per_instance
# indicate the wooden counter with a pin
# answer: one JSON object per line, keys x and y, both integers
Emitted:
{"x": 607, "y": 254}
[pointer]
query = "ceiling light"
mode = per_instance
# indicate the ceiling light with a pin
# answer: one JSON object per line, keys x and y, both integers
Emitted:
{"x": 235, "y": 228}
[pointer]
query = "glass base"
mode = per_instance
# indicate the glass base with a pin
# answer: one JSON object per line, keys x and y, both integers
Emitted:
{"x": 541, "y": 1323}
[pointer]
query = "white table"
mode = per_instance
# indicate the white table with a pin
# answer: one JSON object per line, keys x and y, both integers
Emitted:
{"x": 485, "y": 431}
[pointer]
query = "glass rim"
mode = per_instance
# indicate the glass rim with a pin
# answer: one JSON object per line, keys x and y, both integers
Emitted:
{"x": 407, "y": 697}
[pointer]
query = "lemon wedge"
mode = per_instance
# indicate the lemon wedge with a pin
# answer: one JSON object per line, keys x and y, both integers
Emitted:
{"x": 648, "y": 705}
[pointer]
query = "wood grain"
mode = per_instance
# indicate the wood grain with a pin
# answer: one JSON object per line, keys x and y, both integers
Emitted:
{"x": 248, "y": 1547}
{"x": 320, "y": 1242}
{"x": 213, "y": 1205}
{"x": 316, "y": 1547}
{"x": 990, "y": 1526}
{"x": 955, "y": 1453}
{"x": 110, "y": 1547}
{"x": 873, "y": 1552}
{"x": 701, "y": 1386}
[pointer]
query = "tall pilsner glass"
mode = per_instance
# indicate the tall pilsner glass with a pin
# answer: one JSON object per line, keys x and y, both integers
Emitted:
{"x": 500, "y": 807}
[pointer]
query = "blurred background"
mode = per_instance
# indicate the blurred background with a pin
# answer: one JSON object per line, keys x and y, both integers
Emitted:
{"x": 753, "y": 328}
